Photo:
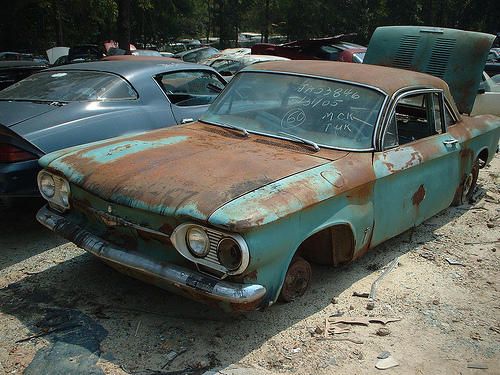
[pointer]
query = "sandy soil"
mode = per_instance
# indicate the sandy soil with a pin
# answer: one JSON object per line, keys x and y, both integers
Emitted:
{"x": 64, "y": 312}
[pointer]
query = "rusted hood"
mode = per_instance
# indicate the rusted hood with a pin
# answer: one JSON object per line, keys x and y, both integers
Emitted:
{"x": 188, "y": 170}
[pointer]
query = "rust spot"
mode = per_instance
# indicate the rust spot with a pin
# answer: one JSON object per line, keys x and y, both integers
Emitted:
{"x": 390, "y": 166}
{"x": 419, "y": 195}
{"x": 148, "y": 236}
{"x": 251, "y": 275}
{"x": 242, "y": 307}
{"x": 166, "y": 228}
{"x": 414, "y": 156}
{"x": 361, "y": 194}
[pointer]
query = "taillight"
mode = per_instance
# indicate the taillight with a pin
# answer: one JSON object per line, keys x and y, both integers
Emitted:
{"x": 11, "y": 154}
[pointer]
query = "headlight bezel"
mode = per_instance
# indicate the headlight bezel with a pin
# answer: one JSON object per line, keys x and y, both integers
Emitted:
{"x": 60, "y": 198}
{"x": 212, "y": 259}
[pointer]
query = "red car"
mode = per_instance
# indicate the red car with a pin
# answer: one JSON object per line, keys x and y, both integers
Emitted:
{"x": 331, "y": 48}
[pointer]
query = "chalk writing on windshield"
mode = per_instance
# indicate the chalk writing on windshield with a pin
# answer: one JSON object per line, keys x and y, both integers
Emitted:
{"x": 293, "y": 118}
{"x": 348, "y": 92}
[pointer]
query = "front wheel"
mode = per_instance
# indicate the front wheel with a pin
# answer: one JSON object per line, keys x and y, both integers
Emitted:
{"x": 297, "y": 280}
{"x": 466, "y": 190}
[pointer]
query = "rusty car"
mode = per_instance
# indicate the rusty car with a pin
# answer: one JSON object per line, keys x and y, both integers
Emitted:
{"x": 295, "y": 162}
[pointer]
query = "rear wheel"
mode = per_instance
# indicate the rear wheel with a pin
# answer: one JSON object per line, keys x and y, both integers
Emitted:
{"x": 297, "y": 280}
{"x": 464, "y": 195}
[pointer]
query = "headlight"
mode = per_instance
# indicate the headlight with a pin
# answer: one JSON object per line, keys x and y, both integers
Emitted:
{"x": 229, "y": 253}
{"x": 197, "y": 241}
{"x": 214, "y": 251}
{"x": 55, "y": 189}
{"x": 47, "y": 185}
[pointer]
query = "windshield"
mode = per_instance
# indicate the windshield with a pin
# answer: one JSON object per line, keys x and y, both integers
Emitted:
{"x": 70, "y": 86}
{"x": 327, "y": 112}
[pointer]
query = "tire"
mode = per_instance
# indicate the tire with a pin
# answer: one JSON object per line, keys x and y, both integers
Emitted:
{"x": 466, "y": 189}
{"x": 296, "y": 281}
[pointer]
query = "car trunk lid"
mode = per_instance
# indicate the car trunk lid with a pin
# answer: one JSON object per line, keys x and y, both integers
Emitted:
{"x": 456, "y": 56}
{"x": 12, "y": 113}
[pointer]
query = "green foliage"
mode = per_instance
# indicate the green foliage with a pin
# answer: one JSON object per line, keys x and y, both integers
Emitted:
{"x": 35, "y": 25}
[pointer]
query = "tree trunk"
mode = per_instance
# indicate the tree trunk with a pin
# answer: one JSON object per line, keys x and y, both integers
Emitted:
{"x": 124, "y": 25}
{"x": 58, "y": 24}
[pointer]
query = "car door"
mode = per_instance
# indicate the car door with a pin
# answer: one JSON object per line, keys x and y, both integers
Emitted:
{"x": 418, "y": 168}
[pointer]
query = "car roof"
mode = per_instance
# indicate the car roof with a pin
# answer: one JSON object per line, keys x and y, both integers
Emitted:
{"x": 389, "y": 80}
{"x": 127, "y": 68}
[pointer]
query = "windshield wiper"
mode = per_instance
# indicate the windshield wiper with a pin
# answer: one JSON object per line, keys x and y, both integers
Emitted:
{"x": 234, "y": 127}
{"x": 306, "y": 141}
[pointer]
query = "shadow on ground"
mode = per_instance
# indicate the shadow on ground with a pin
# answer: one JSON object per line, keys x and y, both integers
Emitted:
{"x": 21, "y": 235}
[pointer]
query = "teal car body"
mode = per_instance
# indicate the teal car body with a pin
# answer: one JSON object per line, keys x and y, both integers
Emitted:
{"x": 295, "y": 162}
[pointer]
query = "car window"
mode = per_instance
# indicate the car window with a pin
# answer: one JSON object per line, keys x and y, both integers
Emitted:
{"x": 226, "y": 66}
{"x": 70, "y": 86}
{"x": 415, "y": 116}
{"x": 192, "y": 87}
{"x": 327, "y": 112}
{"x": 358, "y": 57}
{"x": 200, "y": 54}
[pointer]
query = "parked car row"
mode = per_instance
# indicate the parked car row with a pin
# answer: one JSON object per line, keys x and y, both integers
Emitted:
{"x": 294, "y": 162}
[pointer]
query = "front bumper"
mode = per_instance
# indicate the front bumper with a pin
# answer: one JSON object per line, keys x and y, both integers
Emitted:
{"x": 195, "y": 285}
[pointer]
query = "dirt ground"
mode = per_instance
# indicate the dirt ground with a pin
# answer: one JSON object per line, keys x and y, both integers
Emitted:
{"x": 64, "y": 312}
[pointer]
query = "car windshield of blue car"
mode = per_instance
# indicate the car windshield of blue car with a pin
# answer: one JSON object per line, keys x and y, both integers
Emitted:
{"x": 70, "y": 86}
{"x": 329, "y": 113}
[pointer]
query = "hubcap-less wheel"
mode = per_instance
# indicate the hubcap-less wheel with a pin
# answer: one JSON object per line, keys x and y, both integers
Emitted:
{"x": 296, "y": 280}
{"x": 467, "y": 188}
{"x": 464, "y": 195}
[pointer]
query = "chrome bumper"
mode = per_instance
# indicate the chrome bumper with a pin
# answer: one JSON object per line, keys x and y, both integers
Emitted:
{"x": 183, "y": 279}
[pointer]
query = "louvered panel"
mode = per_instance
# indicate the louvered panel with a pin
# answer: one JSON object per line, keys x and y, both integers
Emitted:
{"x": 440, "y": 56}
{"x": 406, "y": 50}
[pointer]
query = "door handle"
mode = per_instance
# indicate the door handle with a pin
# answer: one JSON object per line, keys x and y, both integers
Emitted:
{"x": 186, "y": 120}
{"x": 450, "y": 142}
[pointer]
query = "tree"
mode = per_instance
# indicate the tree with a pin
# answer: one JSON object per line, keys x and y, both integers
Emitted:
{"x": 124, "y": 25}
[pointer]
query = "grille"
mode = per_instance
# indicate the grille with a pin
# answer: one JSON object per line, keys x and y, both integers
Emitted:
{"x": 214, "y": 238}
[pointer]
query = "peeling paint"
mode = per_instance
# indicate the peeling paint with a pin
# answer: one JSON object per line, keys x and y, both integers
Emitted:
{"x": 419, "y": 195}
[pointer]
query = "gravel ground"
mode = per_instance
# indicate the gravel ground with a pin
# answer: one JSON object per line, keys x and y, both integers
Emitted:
{"x": 64, "y": 312}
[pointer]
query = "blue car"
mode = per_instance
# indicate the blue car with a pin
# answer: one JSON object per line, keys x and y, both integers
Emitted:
{"x": 80, "y": 103}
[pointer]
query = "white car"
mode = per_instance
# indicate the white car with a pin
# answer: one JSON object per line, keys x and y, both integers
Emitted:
{"x": 488, "y": 97}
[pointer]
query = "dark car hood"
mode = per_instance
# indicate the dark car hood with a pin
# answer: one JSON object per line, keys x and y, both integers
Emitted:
{"x": 189, "y": 170}
{"x": 12, "y": 113}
